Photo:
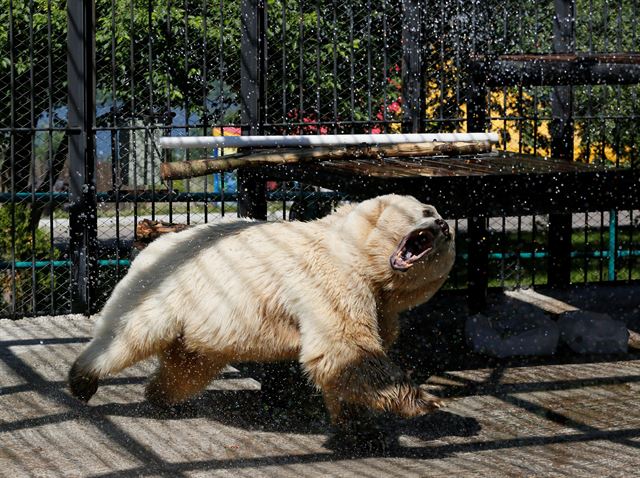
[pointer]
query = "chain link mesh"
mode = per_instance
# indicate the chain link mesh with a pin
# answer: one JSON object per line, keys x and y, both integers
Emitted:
{"x": 166, "y": 67}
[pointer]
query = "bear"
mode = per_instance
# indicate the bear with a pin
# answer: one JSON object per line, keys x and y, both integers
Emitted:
{"x": 326, "y": 293}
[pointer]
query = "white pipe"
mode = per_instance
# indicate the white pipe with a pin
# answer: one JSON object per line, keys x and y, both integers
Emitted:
{"x": 175, "y": 142}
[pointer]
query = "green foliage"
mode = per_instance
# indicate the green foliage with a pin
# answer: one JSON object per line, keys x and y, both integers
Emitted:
{"x": 330, "y": 59}
{"x": 16, "y": 234}
{"x": 19, "y": 242}
{"x": 161, "y": 50}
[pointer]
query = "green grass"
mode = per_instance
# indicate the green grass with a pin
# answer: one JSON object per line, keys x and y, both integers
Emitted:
{"x": 515, "y": 270}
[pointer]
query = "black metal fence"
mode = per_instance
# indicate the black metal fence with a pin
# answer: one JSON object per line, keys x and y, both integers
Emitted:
{"x": 89, "y": 87}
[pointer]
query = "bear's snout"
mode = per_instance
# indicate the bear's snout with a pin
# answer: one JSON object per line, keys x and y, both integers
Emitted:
{"x": 444, "y": 227}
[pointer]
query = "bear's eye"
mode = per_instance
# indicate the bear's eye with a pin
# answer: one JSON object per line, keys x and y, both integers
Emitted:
{"x": 429, "y": 211}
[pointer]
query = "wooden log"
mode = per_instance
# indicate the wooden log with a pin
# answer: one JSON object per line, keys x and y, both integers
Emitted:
{"x": 201, "y": 167}
{"x": 147, "y": 231}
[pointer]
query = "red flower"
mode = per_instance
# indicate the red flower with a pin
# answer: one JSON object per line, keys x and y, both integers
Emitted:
{"x": 376, "y": 130}
{"x": 394, "y": 107}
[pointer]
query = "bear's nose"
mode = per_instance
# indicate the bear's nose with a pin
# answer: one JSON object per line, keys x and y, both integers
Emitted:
{"x": 444, "y": 227}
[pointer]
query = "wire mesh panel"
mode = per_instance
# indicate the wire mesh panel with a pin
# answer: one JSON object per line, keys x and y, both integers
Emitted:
{"x": 34, "y": 272}
{"x": 168, "y": 68}
{"x": 173, "y": 67}
{"x": 604, "y": 120}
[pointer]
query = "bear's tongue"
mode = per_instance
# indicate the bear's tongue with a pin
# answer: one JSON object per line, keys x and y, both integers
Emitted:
{"x": 412, "y": 247}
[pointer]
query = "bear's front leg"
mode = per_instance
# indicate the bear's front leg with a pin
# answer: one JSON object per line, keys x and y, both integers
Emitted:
{"x": 346, "y": 359}
{"x": 372, "y": 381}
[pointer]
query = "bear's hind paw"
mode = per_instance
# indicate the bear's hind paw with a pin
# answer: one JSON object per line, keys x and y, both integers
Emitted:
{"x": 82, "y": 385}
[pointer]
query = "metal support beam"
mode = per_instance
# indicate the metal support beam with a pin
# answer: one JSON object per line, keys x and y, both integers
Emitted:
{"x": 478, "y": 261}
{"x": 82, "y": 187}
{"x": 252, "y": 198}
{"x": 552, "y": 72}
{"x": 413, "y": 87}
{"x": 562, "y": 129}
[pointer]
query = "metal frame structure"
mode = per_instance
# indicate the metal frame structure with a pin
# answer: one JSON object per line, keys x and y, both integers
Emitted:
{"x": 301, "y": 68}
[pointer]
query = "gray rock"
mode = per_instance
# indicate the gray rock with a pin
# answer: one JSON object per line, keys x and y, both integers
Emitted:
{"x": 524, "y": 331}
{"x": 588, "y": 332}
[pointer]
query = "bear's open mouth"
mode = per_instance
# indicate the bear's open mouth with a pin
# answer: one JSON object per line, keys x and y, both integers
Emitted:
{"x": 413, "y": 247}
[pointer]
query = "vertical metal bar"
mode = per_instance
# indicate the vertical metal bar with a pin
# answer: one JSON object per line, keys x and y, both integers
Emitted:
{"x": 534, "y": 233}
{"x": 12, "y": 153}
{"x": 613, "y": 215}
{"x": 631, "y": 245}
{"x": 441, "y": 79}
{"x": 133, "y": 153}
{"x": 318, "y": 66}
{"x": 613, "y": 224}
{"x": 413, "y": 91}
{"x": 633, "y": 158}
{"x": 478, "y": 261}
{"x": 334, "y": 23}
{"x": 586, "y": 247}
{"x": 169, "y": 117}
{"x": 50, "y": 113}
{"x": 456, "y": 270}
{"x": 369, "y": 65}
{"x": 82, "y": 188}
{"x": 352, "y": 74}
{"x": 603, "y": 135}
{"x": 32, "y": 157}
{"x": 534, "y": 118}
{"x": 252, "y": 197}
{"x": 283, "y": 74}
{"x": 519, "y": 253}
{"x": 300, "y": 62}
{"x": 186, "y": 104}
{"x": 205, "y": 83}
{"x": 221, "y": 71}
{"x": 503, "y": 249}
{"x": 562, "y": 128}
{"x": 384, "y": 127}
{"x": 601, "y": 247}
{"x": 458, "y": 44}
{"x": 115, "y": 152}
{"x": 149, "y": 130}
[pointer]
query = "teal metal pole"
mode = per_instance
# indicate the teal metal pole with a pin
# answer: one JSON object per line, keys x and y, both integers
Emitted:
{"x": 613, "y": 223}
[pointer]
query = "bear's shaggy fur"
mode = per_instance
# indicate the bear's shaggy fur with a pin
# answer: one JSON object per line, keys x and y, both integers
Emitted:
{"x": 327, "y": 293}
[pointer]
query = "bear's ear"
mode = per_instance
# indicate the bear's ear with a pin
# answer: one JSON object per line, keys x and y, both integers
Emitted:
{"x": 430, "y": 211}
{"x": 362, "y": 219}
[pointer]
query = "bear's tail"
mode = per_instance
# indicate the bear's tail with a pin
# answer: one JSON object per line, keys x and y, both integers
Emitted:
{"x": 110, "y": 352}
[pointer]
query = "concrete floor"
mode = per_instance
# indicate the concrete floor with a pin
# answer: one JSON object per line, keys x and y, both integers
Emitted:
{"x": 567, "y": 416}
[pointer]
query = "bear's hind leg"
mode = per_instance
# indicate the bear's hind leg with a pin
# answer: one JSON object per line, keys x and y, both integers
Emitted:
{"x": 103, "y": 356}
{"x": 181, "y": 375}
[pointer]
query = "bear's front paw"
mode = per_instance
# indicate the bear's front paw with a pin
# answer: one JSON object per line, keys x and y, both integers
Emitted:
{"x": 429, "y": 403}
{"x": 416, "y": 402}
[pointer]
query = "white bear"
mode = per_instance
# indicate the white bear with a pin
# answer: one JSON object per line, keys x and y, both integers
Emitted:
{"x": 327, "y": 293}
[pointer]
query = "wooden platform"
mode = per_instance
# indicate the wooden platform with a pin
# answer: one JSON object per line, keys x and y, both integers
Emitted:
{"x": 559, "y": 419}
{"x": 555, "y": 69}
{"x": 486, "y": 184}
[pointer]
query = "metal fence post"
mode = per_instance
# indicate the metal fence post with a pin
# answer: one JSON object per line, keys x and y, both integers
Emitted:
{"x": 560, "y": 225}
{"x": 478, "y": 244}
{"x": 82, "y": 191}
{"x": 413, "y": 87}
{"x": 252, "y": 194}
